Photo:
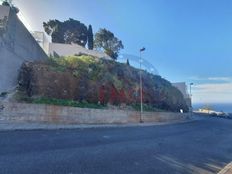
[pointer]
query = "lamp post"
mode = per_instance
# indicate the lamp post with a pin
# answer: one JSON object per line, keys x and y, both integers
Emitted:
{"x": 190, "y": 93}
{"x": 141, "y": 85}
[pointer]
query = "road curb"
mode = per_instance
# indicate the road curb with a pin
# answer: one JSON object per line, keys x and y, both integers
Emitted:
{"x": 33, "y": 126}
{"x": 227, "y": 169}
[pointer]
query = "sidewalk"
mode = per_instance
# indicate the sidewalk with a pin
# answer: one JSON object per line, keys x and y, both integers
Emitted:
{"x": 13, "y": 125}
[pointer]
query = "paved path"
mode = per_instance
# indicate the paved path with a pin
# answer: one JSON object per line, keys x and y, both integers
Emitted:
{"x": 201, "y": 146}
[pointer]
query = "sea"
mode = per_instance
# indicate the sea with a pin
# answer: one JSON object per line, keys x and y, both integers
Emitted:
{"x": 219, "y": 107}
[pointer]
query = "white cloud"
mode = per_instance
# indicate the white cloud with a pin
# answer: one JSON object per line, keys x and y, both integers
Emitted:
{"x": 215, "y": 87}
{"x": 196, "y": 78}
{"x": 226, "y": 79}
{"x": 212, "y": 93}
{"x": 223, "y": 78}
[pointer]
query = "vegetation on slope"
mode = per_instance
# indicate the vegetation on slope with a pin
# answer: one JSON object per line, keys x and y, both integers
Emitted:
{"x": 98, "y": 81}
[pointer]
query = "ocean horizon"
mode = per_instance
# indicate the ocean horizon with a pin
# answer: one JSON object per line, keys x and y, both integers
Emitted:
{"x": 224, "y": 107}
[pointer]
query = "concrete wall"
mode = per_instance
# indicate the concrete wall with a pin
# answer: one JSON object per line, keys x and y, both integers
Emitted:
{"x": 42, "y": 39}
{"x": 72, "y": 115}
{"x": 72, "y": 49}
{"x": 182, "y": 87}
{"x": 16, "y": 46}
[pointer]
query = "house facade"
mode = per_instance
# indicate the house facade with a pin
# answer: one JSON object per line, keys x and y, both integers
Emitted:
{"x": 62, "y": 49}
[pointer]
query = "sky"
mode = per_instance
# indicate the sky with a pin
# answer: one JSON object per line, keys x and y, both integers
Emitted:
{"x": 185, "y": 40}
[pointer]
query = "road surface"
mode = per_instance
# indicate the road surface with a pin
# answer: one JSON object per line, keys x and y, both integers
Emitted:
{"x": 200, "y": 146}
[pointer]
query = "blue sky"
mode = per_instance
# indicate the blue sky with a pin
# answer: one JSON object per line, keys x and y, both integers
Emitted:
{"x": 186, "y": 40}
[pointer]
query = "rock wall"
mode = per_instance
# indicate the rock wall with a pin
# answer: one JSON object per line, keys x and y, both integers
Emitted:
{"x": 16, "y": 46}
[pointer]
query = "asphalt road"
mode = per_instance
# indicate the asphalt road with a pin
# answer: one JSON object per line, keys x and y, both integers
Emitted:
{"x": 201, "y": 146}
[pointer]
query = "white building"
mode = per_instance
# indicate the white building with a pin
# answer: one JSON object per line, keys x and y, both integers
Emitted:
{"x": 73, "y": 49}
{"x": 182, "y": 87}
{"x": 184, "y": 90}
{"x": 42, "y": 40}
{"x": 64, "y": 49}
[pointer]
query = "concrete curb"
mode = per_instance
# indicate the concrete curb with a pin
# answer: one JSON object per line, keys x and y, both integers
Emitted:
{"x": 227, "y": 169}
{"x": 13, "y": 126}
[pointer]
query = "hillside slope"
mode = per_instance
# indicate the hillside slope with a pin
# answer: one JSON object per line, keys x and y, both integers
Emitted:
{"x": 84, "y": 78}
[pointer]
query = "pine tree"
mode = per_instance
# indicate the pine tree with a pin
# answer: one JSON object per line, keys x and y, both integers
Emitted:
{"x": 127, "y": 62}
{"x": 90, "y": 38}
{"x": 105, "y": 39}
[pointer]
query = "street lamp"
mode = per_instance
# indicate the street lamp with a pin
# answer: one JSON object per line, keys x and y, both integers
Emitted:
{"x": 141, "y": 85}
{"x": 190, "y": 94}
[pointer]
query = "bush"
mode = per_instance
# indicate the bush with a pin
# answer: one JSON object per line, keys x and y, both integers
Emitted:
{"x": 64, "y": 102}
{"x": 93, "y": 79}
{"x": 146, "y": 107}
{"x": 3, "y": 94}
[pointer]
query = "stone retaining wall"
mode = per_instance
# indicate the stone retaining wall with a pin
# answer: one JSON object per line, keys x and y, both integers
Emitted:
{"x": 72, "y": 115}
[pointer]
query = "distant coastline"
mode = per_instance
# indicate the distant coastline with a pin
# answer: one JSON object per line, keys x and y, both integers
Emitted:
{"x": 225, "y": 107}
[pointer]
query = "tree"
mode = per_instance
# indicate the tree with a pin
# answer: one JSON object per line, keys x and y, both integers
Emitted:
{"x": 9, "y": 4}
{"x": 90, "y": 38}
{"x": 127, "y": 62}
{"x": 69, "y": 31}
{"x": 6, "y": 3}
{"x": 104, "y": 39}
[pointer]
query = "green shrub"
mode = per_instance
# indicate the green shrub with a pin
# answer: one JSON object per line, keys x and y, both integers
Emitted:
{"x": 3, "y": 94}
{"x": 64, "y": 102}
{"x": 21, "y": 96}
{"x": 92, "y": 74}
{"x": 146, "y": 107}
